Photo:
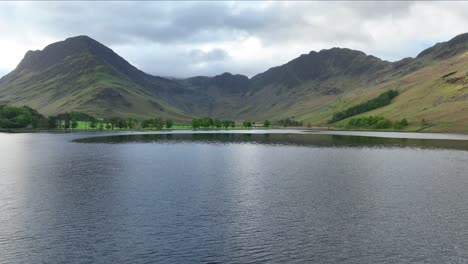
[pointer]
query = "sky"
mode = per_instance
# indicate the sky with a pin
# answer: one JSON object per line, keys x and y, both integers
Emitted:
{"x": 185, "y": 39}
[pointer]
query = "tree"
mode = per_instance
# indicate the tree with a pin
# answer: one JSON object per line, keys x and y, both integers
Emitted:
{"x": 400, "y": 124}
{"x": 66, "y": 124}
{"x": 226, "y": 123}
{"x": 376, "y": 122}
{"x": 206, "y": 122}
{"x": 383, "y": 123}
{"x": 195, "y": 123}
{"x": 146, "y": 124}
{"x": 131, "y": 123}
{"x": 114, "y": 122}
{"x": 101, "y": 125}
{"x": 404, "y": 122}
{"x": 289, "y": 122}
{"x": 52, "y": 124}
{"x": 121, "y": 123}
{"x": 21, "y": 117}
{"x": 169, "y": 123}
{"x": 217, "y": 123}
{"x": 247, "y": 124}
{"x": 158, "y": 123}
{"x": 74, "y": 120}
{"x": 74, "y": 123}
{"x": 93, "y": 124}
{"x": 266, "y": 123}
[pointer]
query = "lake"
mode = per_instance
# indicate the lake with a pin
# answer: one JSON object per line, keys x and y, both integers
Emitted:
{"x": 266, "y": 196}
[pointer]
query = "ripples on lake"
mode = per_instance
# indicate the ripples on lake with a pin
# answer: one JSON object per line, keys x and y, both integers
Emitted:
{"x": 223, "y": 198}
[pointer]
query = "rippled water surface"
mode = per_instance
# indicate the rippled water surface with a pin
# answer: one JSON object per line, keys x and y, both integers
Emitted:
{"x": 233, "y": 198}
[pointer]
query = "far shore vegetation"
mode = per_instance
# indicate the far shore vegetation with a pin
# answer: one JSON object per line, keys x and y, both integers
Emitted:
{"x": 15, "y": 117}
{"x": 383, "y": 99}
{"x": 376, "y": 122}
{"x": 25, "y": 118}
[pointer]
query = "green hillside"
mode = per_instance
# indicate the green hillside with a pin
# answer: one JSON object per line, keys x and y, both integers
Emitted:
{"x": 80, "y": 74}
{"x": 83, "y": 81}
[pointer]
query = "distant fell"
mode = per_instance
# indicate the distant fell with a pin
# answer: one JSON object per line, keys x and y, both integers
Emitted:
{"x": 81, "y": 74}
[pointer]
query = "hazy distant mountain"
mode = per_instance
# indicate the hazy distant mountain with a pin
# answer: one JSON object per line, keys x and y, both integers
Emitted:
{"x": 320, "y": 67}
{"x": 82, "y": 74}
{"x": 225, "y": 83}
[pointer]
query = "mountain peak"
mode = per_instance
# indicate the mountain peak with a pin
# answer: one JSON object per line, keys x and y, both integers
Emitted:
{"x": 54, "y": 53}
{"x": 321, "y": 65}
{"x": 80, "y": 38}
{"x": 81, "y": 41}
{"x": 446, "y": 49}
{"x": 225, "y": 74}
{"x": 460, "y": 39}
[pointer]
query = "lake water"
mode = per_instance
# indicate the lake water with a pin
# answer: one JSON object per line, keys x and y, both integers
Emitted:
{"x": 245, "y": 197}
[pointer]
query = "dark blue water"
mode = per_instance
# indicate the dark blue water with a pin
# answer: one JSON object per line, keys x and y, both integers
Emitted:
{"x": 232, "y": 199}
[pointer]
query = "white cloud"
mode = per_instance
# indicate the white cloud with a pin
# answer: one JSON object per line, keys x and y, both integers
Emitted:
{"x": 206, "y": 38}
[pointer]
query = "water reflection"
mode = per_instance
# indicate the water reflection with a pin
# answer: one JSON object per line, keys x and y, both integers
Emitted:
{"x": 223, "y": 198}
{"x": 318, "y": 140}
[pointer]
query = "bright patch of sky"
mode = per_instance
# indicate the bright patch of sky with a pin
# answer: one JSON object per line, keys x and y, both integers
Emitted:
{"x": 183, "y": 39}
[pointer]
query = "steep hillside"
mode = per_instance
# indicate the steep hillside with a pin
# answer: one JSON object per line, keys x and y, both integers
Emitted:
{"x": 83, "y": 75}
{"x": 310, "y": 81}
{"x": 223, "y": 94}
{"x": 433, "y": 86}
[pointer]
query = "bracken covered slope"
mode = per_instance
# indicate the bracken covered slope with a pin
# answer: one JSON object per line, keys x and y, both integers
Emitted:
{"x": 82, "y": 74}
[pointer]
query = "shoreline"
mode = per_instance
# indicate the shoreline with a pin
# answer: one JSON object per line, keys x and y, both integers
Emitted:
{"x": 308, "y": 129}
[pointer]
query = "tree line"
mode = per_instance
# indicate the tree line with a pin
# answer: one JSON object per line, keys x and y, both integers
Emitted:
{"x": 26, "y": 117}
{"x": 157, "y": 123}
{"x": 383, "y": 99}
{"x": 208, "y": 122}
{"x": 21, "y": 117}
{"x": 289, "y": 122}
{"x": 376, "y": 122}
{"x": 70, "y": 120}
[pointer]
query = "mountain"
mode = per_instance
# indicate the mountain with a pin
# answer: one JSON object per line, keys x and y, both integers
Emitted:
{"x": 315, "y": 76}
{"x": 433, "y": 86}
{"x": 322, "y": 66}
{"x": 81, "y": 74}
{"x": 444, "y": 50}
{"x": 225, "y": 83}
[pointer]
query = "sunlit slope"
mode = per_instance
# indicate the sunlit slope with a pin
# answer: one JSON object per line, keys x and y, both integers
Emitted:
{"x": 80, "y": 76}
{"x": 433, "y": 87}
{"x": 437, "y": 93}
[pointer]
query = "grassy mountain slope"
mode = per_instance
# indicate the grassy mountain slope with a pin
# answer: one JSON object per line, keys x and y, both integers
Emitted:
{"x": 436, "y": 90}
{"x": 306, "y": 83}
{"x": 223, "y": 94}
{"x": 425, "y": 92}
{"x": 83, "y": 75}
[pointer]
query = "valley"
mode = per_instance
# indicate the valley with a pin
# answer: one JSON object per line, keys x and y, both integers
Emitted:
{"x": 80, "y": 74}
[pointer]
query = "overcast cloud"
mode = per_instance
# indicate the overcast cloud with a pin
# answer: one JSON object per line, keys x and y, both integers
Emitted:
{"x": 207, "y": 38}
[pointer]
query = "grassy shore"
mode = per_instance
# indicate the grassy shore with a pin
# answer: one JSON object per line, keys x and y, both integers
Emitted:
{"x": 85, "y": 126}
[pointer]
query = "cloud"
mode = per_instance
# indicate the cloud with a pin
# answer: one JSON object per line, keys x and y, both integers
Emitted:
{"x": 184, "y": 39}
{"x": 207, "y": 56}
